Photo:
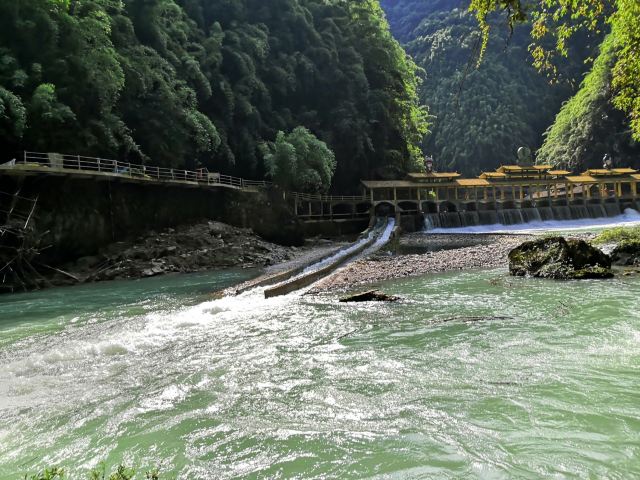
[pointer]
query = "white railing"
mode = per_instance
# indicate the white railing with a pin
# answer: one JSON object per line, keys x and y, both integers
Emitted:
{"x": 103, "y": 166}
{"x": 311, "y": 197}
{"x": 83, "y": 165}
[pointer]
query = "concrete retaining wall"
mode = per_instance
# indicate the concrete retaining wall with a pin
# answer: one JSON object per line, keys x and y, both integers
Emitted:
{"x": 77, "y": 217}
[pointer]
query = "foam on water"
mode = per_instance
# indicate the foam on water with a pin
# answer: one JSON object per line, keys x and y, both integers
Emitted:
{"x": 541, "y": 385}
{"x": 630, "y": 217}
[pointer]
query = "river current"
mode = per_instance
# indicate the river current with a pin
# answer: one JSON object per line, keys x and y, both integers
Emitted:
{"x": 471, "y": 375}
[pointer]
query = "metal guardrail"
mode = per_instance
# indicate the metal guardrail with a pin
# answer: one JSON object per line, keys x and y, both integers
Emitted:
{"x": 56, "y": 163}
{"x": 103, "y": 166}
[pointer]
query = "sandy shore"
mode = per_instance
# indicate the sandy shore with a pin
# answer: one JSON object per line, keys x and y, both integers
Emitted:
{"x": 447, "y": 252}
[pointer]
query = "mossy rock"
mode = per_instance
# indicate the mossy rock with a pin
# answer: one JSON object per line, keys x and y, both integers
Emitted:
{"x": 558, "y": 258}
{"x": 626, "y": 253}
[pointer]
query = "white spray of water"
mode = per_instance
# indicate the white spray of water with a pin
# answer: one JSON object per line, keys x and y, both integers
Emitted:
{"x": 342, "y": 253}
{"x": 630, "y": 217}
{"x": 383, "y": 238}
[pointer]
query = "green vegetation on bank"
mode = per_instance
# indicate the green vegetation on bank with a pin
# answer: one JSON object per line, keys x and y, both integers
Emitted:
{"x": 588, "y": 126}
{"x": 189, "y": 83}
{"x": 614, "y": 81}
{"x": 121, "y": 472}
{"x": 618, "y": 235}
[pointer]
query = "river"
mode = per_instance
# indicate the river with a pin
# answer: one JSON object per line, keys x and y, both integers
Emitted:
{"x": 472, "y": 375}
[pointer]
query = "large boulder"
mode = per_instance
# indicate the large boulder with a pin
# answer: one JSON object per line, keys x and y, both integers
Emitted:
{"x": 558, "y": 258}
{"x": 626, "y": 253}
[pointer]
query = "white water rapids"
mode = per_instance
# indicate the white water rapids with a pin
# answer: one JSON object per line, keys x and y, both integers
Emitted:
{"x": 630, "y": 217}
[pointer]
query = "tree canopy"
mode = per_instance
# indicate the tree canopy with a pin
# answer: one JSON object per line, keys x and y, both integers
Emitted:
{"x": 562, "y": 19}
{"x": 300, "y": 162}
{"x": 588, "y": 126}
{"x": 481, "y": 113}
{"x": 189, "y": 83}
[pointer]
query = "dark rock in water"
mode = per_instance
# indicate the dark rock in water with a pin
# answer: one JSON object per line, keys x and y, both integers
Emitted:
{"x": 626, "y": 253}
{"x": 370, "y": 296}
{"x": 559, "y": 259}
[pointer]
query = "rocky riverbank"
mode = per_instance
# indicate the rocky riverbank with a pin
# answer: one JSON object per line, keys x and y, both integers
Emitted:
{"x": 441, "y": 253}
{"x": 204, "y": 246}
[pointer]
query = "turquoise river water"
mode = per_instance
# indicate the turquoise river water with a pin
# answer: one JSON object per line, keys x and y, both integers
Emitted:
{"x": 472, "y": 375}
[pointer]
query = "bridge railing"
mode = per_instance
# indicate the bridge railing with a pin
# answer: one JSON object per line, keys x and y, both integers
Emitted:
{"x": 56, "y": 163}
{"x": 310, "y": 197}
{"x": 84, "y": 164}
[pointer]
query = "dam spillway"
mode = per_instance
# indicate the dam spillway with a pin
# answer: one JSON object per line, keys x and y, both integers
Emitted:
{"x": 555, "y": 215}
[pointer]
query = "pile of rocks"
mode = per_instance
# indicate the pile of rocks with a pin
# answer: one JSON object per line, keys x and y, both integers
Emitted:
{"x": 194, "y": 248}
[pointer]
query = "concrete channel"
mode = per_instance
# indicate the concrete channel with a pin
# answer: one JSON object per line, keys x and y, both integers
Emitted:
{"x": 310, "y": 275}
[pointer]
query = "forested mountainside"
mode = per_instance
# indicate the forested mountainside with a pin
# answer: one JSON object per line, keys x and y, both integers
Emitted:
{"x": 188, "y": 83}
{"x": 588, "y": 126}
{"x": 481, "y": 115}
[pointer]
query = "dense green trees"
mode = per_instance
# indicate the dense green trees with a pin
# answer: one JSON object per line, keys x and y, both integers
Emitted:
{"x": 588, "y": 126}
{"x": 482, "y": 114}
{"x": 298, "y": 161}
{"x": 614, "y": 81}
{"x": 205, "y": 82}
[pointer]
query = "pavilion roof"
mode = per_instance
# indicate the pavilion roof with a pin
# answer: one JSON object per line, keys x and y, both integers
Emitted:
{"x": 603, "y": 172}
{"x": 472, "y": 182}
{"x": 493, "y": 175}
{"x": 391, "y": 184}
{"x": 582, "y": 179}
{"x": 426, "y": 176}
{"x": 523, "y": 169}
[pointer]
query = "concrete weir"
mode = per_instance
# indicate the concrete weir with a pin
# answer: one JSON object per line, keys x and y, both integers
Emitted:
{"x": 371, "y": 239}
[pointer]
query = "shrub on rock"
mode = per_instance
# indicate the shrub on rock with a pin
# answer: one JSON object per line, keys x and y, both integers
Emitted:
{"x": 559, "y": 259}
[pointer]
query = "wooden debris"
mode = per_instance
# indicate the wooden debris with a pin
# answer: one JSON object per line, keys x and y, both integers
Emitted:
{"x": 370, "y": 296}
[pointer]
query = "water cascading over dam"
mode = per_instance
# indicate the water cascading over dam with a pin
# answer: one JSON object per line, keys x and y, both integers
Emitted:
{"x": 526, "y": 215}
